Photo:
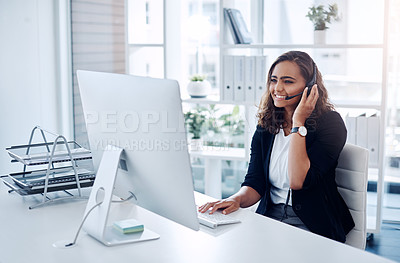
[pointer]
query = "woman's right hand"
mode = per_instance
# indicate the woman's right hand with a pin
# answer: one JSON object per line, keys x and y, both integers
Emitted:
{"x": 230, "y": 204}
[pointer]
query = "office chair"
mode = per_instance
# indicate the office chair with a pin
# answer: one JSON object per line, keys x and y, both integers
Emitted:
{"x": 352, "y": 178}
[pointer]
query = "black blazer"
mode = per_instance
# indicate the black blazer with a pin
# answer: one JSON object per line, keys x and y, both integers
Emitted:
{"x": 318, "y": 204}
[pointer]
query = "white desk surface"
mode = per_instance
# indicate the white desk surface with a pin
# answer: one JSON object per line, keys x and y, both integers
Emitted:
{"x": 27, "y": 236}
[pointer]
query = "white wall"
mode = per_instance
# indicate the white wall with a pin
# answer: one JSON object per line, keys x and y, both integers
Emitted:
{"x": 28, "y": 73}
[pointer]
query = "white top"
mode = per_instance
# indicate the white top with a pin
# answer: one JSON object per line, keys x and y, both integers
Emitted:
{"x": 278, "y": 169}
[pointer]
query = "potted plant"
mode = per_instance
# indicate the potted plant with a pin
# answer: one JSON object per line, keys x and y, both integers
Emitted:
{"x": 320, "y": 17}
{"x": 194, "y": 120}
{"x": 199, "y": 86}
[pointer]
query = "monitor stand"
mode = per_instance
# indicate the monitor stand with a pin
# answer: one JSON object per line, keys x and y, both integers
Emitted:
{"x": 102, "y": 190}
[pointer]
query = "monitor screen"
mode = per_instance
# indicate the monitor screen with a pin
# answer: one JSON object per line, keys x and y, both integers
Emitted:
{"x": 144, "y": 117}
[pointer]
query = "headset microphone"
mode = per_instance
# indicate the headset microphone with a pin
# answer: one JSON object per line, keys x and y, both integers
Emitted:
{"x": 291, "y": 97}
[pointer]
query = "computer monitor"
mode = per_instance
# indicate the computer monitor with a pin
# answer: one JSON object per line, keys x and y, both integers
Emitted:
{"x": 144, "y": 117}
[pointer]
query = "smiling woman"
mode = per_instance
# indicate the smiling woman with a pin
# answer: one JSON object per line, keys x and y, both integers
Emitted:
{"x": 295, "y": 69}
{"x": 285, "y": 81}
{"x": 294, "y": 153}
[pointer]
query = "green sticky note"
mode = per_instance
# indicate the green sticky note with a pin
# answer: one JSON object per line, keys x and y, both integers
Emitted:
{"x": 128, "y": 226}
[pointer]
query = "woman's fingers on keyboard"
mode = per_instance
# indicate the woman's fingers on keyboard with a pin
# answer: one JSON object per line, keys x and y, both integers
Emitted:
{"x": 230, "y": 209}
{"x": 206, "y": 206}
{"x": 221, "y": 204}
{"x": 229, "y": 205}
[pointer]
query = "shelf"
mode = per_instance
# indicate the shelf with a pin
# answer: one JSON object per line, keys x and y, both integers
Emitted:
{"x": 216, "y": 100}
{"x": 145, "y": 45}
{"x": 294, "y": 46}
{"x": 222, "y": 153}
{"x": 357, "y": 104}
{"x": 352, "y": 79}
{"x": 337, "y": 103}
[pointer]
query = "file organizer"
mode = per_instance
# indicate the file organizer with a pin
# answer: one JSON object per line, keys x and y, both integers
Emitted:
{"x": 61, "y": 174}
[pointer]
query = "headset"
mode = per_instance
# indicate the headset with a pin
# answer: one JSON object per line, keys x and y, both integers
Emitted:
{"x": 310, "y": 84}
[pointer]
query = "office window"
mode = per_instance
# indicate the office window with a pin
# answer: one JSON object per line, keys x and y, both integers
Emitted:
{"x": 146, "y": 61}
{"x": 201, "y": 39}
{"x": 391, "y": 199}
{"x": 146, "y": 43}
{"x": 147, "y": 14}
{"x": 145, "y": 21}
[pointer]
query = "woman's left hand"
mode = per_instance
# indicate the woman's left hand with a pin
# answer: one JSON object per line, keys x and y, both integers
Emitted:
{"x": 306, "y": 106}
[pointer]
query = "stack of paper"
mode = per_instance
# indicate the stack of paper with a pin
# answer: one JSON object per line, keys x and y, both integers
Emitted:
{"x": 128, "y": 226}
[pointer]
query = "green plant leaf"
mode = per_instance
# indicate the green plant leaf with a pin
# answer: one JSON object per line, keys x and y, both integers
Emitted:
{"x": 197, "y": 78}
{"x": 320, "y": 17}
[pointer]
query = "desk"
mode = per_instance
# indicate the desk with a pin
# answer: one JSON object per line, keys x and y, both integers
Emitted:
{"x": 28, "y": 235}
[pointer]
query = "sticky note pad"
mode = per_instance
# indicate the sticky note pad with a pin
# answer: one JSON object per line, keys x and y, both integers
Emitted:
{"x": 128, "y": 226}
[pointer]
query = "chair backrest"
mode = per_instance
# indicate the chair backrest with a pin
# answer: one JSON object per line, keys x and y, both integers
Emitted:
{"x": 351, "y": 178}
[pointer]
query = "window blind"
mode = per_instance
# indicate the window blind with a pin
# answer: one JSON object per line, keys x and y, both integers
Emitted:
{"x": 98, "y": 44}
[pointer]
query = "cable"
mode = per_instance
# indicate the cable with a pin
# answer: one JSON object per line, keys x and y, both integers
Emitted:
{"x": 284, "y": 216}
{"x": 124, "y": 200}
{"x": 91, "y": 209}
{"x": 83, "y": 221}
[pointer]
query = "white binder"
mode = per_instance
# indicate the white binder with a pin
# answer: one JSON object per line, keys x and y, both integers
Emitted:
{"x": 351, "y": 127}
{"x": 362, "y": 131}
{"x": 249, "y": 78}
{"x": 373, "y": 140}
{"x": 227, "y": 88}
{"x": 261, "y": 73}
{"x": 238, "y": 78}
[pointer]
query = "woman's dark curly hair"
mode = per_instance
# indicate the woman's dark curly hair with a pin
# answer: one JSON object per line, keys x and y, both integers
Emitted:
{"x": 272, "y": 118}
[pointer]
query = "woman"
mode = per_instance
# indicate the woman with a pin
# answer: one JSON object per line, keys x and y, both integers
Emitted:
{"x": 294, "y": 153}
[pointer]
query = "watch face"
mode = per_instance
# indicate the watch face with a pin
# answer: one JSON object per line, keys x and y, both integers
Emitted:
{"x": 302, "y": 131}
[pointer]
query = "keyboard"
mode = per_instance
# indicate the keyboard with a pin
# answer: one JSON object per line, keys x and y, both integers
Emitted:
{"x": 216, "y": 219}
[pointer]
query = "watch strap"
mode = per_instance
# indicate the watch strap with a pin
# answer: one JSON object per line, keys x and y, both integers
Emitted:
{"x": 294, "y": 130}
